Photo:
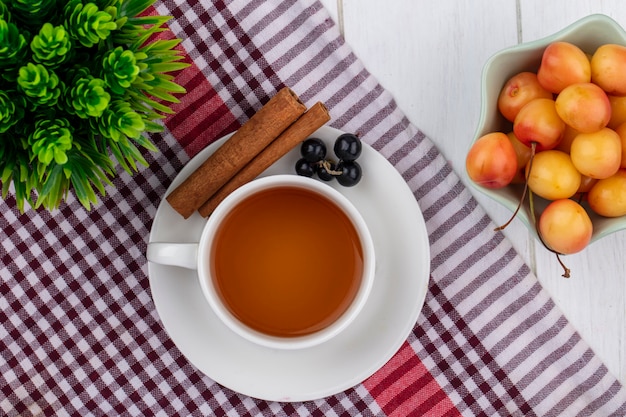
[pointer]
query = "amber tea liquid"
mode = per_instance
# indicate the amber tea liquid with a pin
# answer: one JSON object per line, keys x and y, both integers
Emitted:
{"x": 287, "y": 262}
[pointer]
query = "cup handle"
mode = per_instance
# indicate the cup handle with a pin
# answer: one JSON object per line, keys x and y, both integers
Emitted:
{"x": 184, "y": 255}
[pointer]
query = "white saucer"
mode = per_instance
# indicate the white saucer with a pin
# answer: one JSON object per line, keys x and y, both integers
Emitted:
{"x": 402, "y": 273}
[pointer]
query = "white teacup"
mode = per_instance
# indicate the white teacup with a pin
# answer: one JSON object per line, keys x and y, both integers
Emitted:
{"x": 248, "y": 276}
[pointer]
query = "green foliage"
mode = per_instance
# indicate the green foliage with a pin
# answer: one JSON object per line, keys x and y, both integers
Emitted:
{"x": 4, "y": 12}
{"x": 50, "y": 140}
{"x": 28, "y": 13}
{"x": 89, "y": 97}
{"x": 39, "y": 85}
{"x": 81, "y": 84}
{"x": 12, "y": 107}
{"x": 51, "y": 46}
{"x": 87, "y": 24}
{"x": 13, "y": 48}
{"x": 120, "y": 69}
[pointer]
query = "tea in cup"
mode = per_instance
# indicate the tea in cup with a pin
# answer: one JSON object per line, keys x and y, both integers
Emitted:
{"x": 284, "y": 261}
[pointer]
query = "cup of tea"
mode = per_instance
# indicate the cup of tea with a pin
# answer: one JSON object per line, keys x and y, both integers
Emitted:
{"x": 284, "y": 261}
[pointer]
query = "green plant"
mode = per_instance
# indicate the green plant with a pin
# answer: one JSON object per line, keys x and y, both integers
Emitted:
{"x": 81, "y": 83}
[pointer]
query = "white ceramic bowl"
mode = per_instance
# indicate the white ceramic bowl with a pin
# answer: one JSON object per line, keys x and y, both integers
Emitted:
{"x": 587, "y": 33}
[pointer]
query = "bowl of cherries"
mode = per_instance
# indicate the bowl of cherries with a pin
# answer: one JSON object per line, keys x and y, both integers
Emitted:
{"x": 551, "y": 139}
{"x": 315, "y": 160}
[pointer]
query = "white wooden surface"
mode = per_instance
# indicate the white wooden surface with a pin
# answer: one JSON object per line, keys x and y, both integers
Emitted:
{"x": 429, "y": 55}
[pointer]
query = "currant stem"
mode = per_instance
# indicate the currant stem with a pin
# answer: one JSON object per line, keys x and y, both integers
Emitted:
{"x": 327, "y": 165}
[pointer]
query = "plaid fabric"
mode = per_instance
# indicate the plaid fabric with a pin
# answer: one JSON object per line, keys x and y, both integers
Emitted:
{"x": 79, "y": 332}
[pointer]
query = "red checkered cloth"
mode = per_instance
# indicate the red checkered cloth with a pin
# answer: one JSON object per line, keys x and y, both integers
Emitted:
{"x": 79, "y": 333}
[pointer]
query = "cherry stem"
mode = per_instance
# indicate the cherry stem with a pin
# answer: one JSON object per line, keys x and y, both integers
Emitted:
{"x": 531, "y": 200}
{"x": 566, "y": 270}
{"x": 580, "y": 197}
{"x": 533, "y": 148}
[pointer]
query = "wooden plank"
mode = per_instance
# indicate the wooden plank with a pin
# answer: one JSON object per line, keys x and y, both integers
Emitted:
{"x": 594, "y": 299}
{"x": 429, "y": 55}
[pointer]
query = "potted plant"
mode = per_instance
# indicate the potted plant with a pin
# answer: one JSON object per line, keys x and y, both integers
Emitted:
{"x": 81, "y": 84}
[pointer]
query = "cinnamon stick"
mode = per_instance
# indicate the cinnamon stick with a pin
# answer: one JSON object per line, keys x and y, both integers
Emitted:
{"x": 302, "y": 128}
{"x": 259, "y": 131}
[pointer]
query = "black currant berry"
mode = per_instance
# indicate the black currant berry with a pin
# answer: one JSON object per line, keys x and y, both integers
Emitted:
{"x": 350, "y": 173}
{"x": 347, "y": 147}
{"x": 313, "y": 150}
{"x": 305, "y": 168}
